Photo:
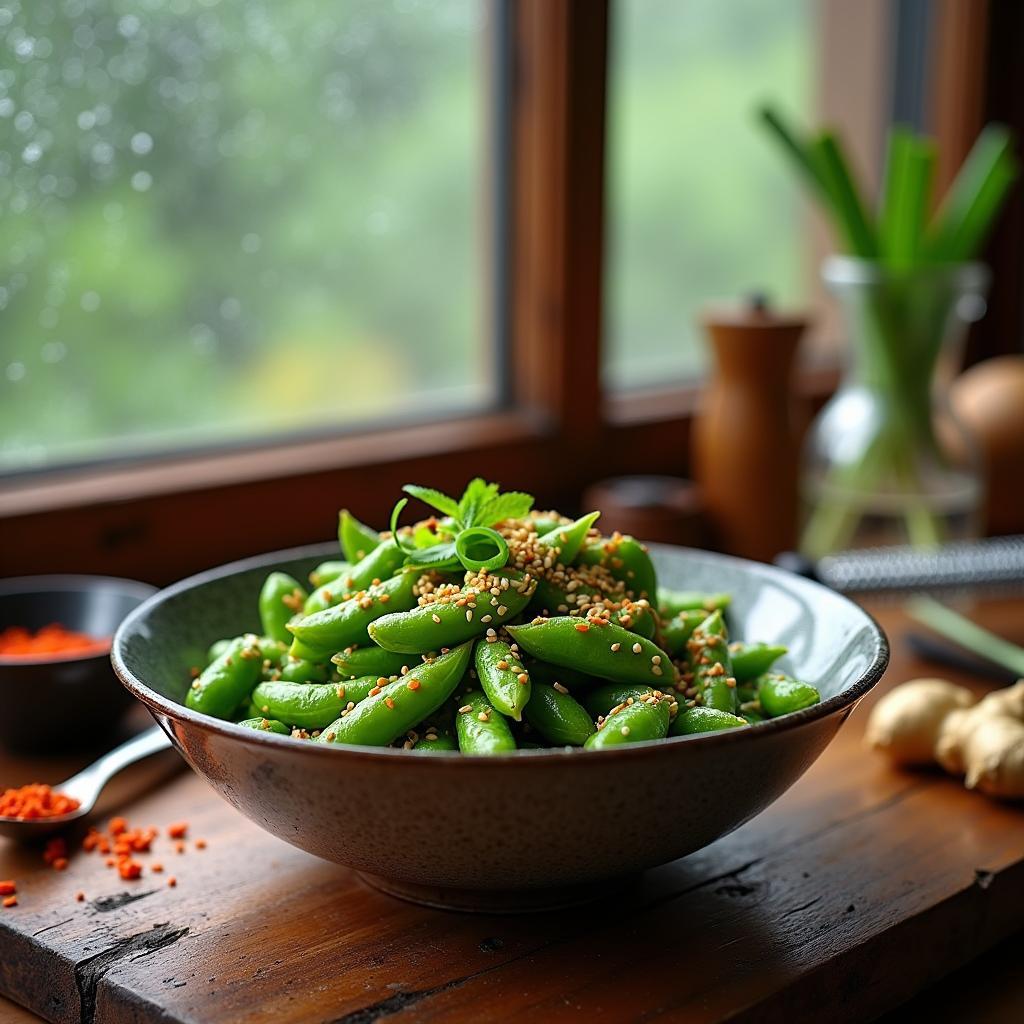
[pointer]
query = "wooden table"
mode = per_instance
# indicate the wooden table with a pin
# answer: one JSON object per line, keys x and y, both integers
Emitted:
{"x": 858, "y": 889}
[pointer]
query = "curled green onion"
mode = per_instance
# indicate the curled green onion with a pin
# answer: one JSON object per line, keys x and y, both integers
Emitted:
{"x": 480, "y": 547}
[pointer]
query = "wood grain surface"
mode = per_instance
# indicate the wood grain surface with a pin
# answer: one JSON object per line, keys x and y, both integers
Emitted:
{"x": 857, "y": 889}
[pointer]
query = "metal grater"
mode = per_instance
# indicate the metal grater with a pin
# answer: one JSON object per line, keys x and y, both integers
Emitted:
{"x": 997, "y": 562}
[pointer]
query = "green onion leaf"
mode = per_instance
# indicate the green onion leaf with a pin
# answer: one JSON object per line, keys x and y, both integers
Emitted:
{"x": 395, "y": 513}
{"x": 481, "y": 548}
{"x": 435, "y": 499}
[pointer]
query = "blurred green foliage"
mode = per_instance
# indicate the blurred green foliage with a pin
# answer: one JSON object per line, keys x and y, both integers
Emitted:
{"x": 701, "y": 208}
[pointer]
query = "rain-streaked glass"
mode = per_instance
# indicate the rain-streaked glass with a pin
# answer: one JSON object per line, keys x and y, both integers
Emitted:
{"x": 701, "y": 205}
{"x": 224, "y": 220}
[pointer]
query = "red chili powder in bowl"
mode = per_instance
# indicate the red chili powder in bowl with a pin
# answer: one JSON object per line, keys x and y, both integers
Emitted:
{"x": 17, "y": 642}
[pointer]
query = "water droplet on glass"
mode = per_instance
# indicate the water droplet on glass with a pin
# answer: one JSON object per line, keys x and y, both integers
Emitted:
{"x": 90, "y": 301}
{"x": 128, "y": 25}
{"x": 230, "y": 309}
{"x": 102, "y": 152}
{"x": 86, "y": 120}
{"x": 15, "y": 372}
{"x": 142, "y": 143}
{"x": 24, "y": 121}
{"x": 53, "y": 351}
{"x": 32, "y": 152}
{"x": 141, "y": 180}
{"x": 6, "y": 106}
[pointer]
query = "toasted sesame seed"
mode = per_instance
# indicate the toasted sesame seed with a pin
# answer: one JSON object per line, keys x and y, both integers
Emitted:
{"x": 195, "y": 684}
{"x": 503, "y": 665}
{"x": 637, "y": 649}
{"x": 485, "y": 618}
{"x": 465, "y": 709}
{"x": 616, "y": 646}
{"x": 560, "y": 688}
{"x": 523, "y": 678}
{"x": 502, "y": 610}
{"x": 483, "y": 717}
{"x": 390, "y": 703}
{"x": 656, "y": 659}
{"x": 624, "y": 730}
{"x": 436, "y": 617}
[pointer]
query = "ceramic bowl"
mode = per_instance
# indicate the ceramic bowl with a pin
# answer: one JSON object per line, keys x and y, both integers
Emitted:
{"x": 53, "y": 701}
{"x": 515, "y": 832}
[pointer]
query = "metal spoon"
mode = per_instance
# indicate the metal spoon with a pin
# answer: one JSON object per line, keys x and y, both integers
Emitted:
{"x": 86, "y": 786}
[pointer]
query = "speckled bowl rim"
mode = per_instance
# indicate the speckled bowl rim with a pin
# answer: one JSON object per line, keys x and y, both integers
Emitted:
{"x": 56, "y": 582}
{"x": 847, "y": 698}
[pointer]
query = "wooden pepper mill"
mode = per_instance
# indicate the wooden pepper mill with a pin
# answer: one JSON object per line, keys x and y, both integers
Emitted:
{"x": 745, "y": 445}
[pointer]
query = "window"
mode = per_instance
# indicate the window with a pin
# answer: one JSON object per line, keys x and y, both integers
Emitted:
{"x": 236, "y": 220}
{"x": 701, "y": 207}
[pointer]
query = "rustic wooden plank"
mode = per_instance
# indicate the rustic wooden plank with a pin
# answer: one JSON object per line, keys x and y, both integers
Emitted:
{"x": 860, "y": 886}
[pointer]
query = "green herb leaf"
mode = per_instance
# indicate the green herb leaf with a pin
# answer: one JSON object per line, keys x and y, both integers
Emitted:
{"x": 477, "y": 494}
{"x": 481, "y": 548}
{"x": 395, "y": 513}
{"x": 509, "y": 505}
{"x": 433, "y": 498}
{"x": 439, "y": 556}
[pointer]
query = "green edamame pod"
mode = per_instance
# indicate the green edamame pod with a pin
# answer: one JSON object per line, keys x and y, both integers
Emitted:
{"x": 307, "y": 705}
{"x": 228, "y": 679}
{"x": 345, "y": 624}
{"x": 551, "y": 674}
{"x": 502, "y": 677}
{"x": 568, "y": 539}
{"x": 391, "y": 710}
{"x": 480, "y": 728}
{"x": 752, "y": 660}
{"x": 379, "y": 564}
{"x": 356, "y": 540}
{"x": 433, "y": 743}
{"x": 672, "y": 602}
{"x": 608, "y": 651}
{"x": 370, "y": 660}
{"x": 271, "y": 650}
{"x": 702, "y": 719}
{"x": 600, "y": 701}
{"x": 300, "y": 670}
{"x": 217, "y": 648}
{"x": 626, "y": 559}
{"x": 677, "y": 631}
{"x": 636, "y": 616}
{"x": 545, "y": 522}
{"x": 557, "y": 716}
{"x": 647, "y": 718}
{"x": 708, "y": 658}
{"x": 266, "y": 725}
{"x": 281, "y": 597}
{"x": 457, "y": 617}
{"x": 781, "y": 695}
{"x": 326, "y": 572}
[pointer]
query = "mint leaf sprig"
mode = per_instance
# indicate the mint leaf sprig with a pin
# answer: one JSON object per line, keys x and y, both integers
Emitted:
{"x": 474, "y": 544}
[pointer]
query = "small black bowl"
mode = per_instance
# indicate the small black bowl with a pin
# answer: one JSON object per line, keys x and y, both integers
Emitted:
{"x": 63, "y": 699}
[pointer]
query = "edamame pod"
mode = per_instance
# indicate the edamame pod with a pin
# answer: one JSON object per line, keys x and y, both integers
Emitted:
{"x": 370, "y": 660}
{"x": 636, "y": 616}
{"x": 345, "y": 624}
{"x": 672, "y": 602}
{"x": 708, "y": 658}
{"x": 458, "y": 615}
{"x": 646, "y": 718}
{"x": 600, "y": 701}
{"x": 567, "y": 540}
{"x": 677, "y": 631}
{"x": 607, "y": 651}
{"x": 300, "y": 670}
{"x": 433, "y": 743}
{"x": 281, "y": 597}
{"x": 266, "y": 725}
{"x": 502, "y": 677}
{"x": 228, "y": 679}
{"x": 326, "y": 572}
{"x": 626, "y": 559}
{"x": 308, "y": 705}
{"x": 781, "y": 695}
{"x": 356, "y": 540}
{"x": 557, "y": 716}
{"x": 380, "y": 564}
{"x": 701, "y": 719}
{"x": 482, "y": 729}
{"x": 217, "y": 648}
{"x": 752, "y": 660}
{"x": 391, "y": 710}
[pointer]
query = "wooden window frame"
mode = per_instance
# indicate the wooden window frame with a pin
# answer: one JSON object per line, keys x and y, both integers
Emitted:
{"x": 166, "y": 517}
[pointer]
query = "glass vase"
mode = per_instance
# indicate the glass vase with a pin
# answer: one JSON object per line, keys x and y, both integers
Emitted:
{"x": 886, "y": 462}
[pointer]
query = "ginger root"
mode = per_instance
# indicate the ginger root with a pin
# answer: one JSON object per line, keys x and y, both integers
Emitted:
{"x": 928, "y": 720}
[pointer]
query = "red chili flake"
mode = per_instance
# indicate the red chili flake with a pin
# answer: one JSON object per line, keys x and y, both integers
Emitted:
{"x": 8, "y": 888}
{"x": 11, "y": 901}
{"x": 80, "y": 897}
{"x": 129, "y": 869}
{"x": 178, "y": 830}
{"x": 582, "y": 627}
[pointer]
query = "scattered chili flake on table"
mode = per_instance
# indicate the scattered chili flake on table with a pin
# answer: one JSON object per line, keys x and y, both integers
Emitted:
{"x": 178, "y": 830}
{"x": 8, "y": 888}
{"x": 18, "y": 642}
{"x": 35, "y": 801}
{"x": 10, "y": 901}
